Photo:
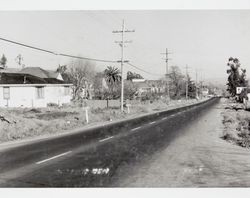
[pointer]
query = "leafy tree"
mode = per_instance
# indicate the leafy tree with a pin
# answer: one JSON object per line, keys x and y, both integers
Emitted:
{"x": 3, "y": 61}
{"x": 131, "y": 76}
{"x": 129, "y": 90}
{"x": 191, "y": 88}
{"x": 62, "y": 69}
{"x": 236, "y": 76}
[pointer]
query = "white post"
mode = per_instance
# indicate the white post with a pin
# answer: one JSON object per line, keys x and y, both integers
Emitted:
{"x": 86, "y": 115}
{"x": 128, "y": 105}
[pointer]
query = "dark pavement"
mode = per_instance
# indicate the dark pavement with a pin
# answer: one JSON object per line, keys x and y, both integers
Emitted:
{"x": 94, "y": 158}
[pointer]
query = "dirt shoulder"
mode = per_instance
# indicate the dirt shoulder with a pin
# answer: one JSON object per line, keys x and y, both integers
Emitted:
{"x": 28, "y": 123}
{"x": 199, "y": 157}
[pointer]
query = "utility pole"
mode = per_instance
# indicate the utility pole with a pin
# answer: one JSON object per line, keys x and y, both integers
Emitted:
{"x": 201, "y": 80}
{"x": 19, "y": 60}
{"x": 196, "y": 83}
{"x": 186, "y": 81}
{"x": 122, "y": 56}
{"x": 167, "y": 71}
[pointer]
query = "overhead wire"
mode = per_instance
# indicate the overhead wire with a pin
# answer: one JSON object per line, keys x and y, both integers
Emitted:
{"x": 132, "y": 65}
{"x": 55, "y": 53}
{"x": 73, "y": 56}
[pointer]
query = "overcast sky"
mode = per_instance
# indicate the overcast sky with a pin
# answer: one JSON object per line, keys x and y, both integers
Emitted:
{"x": 203, "y": 40}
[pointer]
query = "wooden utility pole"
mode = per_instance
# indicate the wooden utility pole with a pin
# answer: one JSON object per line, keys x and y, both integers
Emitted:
{"x": 122, "y": 57}
{"x": 201, "y": 80}
{"x": 186, "y": 81}
{"x": 19, "y": 60}
{"x": 167, "y": 70}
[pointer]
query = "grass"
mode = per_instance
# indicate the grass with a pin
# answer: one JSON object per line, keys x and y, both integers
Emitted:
{"x": 236, "y": 126}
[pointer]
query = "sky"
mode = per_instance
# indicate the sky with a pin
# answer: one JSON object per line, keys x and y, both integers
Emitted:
{"x": 201, "y": 39}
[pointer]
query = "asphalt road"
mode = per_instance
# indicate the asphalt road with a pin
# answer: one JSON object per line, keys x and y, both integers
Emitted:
{"x": 94, "y": 158}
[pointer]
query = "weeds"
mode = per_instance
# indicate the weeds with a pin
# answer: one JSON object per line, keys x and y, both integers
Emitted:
{"x": 237, "y": 127}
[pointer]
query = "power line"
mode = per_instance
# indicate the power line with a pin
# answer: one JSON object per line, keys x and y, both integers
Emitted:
{"x": 72, "y": 56}
{"x": 54, "y": 53}
{"x": 28, "y": 46}
{"x": 143, "y": 70}
{"x": 92, "y": 59}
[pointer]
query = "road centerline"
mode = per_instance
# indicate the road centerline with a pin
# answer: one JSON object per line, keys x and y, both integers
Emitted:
{"x": 152, "y": 122}
{"x": 106, "y": 139}
{"x": 135, "y": 128}
{"x": 54, "y": 157}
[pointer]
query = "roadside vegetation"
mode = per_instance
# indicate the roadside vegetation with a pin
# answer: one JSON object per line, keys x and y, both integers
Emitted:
{"x": 236, "y": 123}
{"x": 236, "y": 119}
{"x": 22, "y": 123}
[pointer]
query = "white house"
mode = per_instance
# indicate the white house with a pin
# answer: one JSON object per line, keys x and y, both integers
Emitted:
{"x": 148, "y": 86}
{"x": 25, "y": 90}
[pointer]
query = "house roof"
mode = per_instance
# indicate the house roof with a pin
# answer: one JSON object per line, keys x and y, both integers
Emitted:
{"x": 141, "y": 84}
{"x": 39, "y": 72}
{"x": 10, "y": 70}
{"x": 54, "y": 81}
{"x": 154, "y": 83}
{"x": 19, "y": 78}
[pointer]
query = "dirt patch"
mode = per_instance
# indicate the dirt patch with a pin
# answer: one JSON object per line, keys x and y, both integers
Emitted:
{"x": 55, "y": 115}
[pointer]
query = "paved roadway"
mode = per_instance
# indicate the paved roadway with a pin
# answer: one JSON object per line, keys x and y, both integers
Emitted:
{"x": 97, "y": 158}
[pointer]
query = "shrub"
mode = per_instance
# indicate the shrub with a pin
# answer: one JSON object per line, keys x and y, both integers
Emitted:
{"x": 51, "y": 104}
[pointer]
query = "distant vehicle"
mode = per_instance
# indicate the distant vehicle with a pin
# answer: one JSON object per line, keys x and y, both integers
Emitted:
{"x": 210, "y": 95}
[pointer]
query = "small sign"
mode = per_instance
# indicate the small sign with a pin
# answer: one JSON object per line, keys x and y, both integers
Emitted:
{"x": 239, "y": 89}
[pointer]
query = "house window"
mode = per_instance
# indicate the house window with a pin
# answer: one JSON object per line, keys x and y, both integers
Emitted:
{"x": 6, "y": 93}
{"x": 66, "y": 90}
{"x": 40, "y": 92}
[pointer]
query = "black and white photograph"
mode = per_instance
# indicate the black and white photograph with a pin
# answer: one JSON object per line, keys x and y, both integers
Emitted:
{"x": 125, "y": 98}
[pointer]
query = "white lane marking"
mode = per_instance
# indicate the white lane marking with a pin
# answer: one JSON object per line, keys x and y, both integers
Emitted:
{"x": 164, "y": 118}
{"x": 40, "y": 162}
{"x": 135, "y": 128}
{"x": 106, "y": 139}
{"x": 152, "y": 122}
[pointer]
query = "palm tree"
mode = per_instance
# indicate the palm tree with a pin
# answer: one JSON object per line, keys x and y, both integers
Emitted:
{"x": 112, "y": 78}
{"x": 112, "y": 75}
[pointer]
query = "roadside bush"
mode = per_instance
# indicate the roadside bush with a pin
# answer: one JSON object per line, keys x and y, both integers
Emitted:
{"x": 229, "y": 137}
{"x": 51, "y": 104}
{"x": 227, "y": 119}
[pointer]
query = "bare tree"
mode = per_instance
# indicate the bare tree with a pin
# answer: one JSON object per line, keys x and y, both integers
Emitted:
{"x": 81, "y": 74}
{"x": 176, "y": 81}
